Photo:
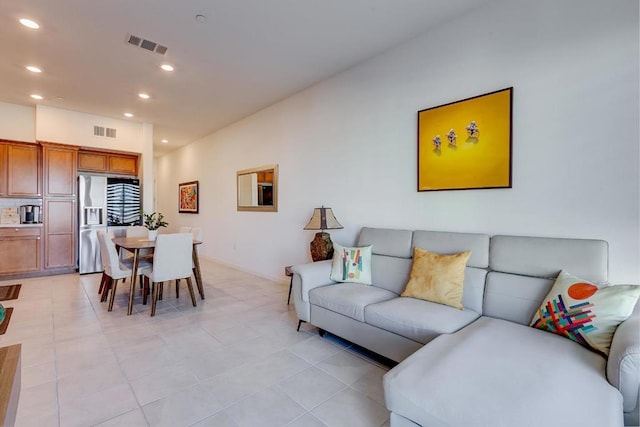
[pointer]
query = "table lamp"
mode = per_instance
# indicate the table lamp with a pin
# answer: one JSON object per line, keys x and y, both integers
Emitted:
{"x": 321, "y": 246}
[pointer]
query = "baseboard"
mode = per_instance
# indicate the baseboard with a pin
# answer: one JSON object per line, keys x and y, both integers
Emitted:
{"x": 281, "y": 280}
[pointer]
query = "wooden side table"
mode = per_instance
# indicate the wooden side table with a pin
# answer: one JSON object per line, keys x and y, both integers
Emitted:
{"x": 289, "y": 273}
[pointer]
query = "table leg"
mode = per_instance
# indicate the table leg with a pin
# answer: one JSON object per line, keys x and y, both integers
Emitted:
{"x": 134, "y": 274}
{"x": 196, "y": 271}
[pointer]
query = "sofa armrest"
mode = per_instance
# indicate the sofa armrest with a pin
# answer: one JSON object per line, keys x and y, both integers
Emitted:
{"x": 305, "y": 278}
{"x": 623, "y": 364}
{"x": 312, "y": 275}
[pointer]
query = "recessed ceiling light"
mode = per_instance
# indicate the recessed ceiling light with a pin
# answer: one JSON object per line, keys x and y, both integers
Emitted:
{"x": 36, "y": 96}
{"x": 167, "y": 67}
{"x": 29, "y": 23}
{"x": 201, "y": 18}
{"x": 144, "y": 95}
{"x": 165, "y": 141}
{"x": 33, "y": 69}
{"x": 128, "y": 115}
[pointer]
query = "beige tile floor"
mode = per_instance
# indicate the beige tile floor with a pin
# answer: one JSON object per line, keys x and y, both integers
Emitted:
{"x": 235, "y": 360}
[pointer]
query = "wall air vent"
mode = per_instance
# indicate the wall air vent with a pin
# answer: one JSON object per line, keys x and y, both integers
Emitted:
{"x": 110, "y": 133}
{"x": 145, "y": 44}
{"x": 104, "y": 132}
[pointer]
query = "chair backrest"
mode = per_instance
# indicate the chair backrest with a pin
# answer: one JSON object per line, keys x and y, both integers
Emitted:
{"x": 172, "y": 257}
{"x": 197, "y": 233}
{"x": 137, "y": 231}
{"x": 109, "y": 257}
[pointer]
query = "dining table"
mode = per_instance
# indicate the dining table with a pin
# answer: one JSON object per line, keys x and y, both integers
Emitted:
{"x": 136, "y": 244}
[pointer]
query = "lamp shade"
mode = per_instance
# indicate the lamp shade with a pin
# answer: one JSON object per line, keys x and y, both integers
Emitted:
{"x": 323, "y": 219}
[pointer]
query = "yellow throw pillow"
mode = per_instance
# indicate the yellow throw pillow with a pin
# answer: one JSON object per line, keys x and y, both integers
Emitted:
{"x": 437, "y": 278}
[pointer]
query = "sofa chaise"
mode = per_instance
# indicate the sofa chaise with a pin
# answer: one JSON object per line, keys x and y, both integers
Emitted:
{"x": 481, "y": 365}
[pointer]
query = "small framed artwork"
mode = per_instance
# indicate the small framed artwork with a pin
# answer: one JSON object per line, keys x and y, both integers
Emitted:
{"x": 188, "y": 197}
{"x": 466, "y": 144}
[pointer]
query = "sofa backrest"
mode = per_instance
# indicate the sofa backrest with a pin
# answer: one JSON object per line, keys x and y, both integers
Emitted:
{"x": 393, "y": 252}
{"x": 391, "y": 259}
{"x": 443, "y": 242}
{"x": 523, "y": 269}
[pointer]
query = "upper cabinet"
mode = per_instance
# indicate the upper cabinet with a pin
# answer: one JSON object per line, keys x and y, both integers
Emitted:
{"x": 60, "y": 170}
{"x": 106, "y": 162}
{"x": 23, "y": 170}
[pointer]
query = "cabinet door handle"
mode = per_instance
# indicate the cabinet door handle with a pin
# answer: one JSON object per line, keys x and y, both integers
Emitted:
{"x": 38, "y": 238}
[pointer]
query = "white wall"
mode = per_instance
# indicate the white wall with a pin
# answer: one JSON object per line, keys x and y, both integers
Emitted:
{"x": 72, "y": 127}
{"x": 23, "y": 123}
{"x": 17, "y": 122}
{"x": 350, "y": 142}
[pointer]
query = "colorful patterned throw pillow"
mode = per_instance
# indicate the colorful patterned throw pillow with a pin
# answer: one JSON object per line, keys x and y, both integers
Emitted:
{"x": 351, "y": 264}
{"x": 584, "y": 312}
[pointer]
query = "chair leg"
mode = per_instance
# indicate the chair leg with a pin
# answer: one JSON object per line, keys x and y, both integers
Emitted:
{"x": 113, "y": 294}
{"x": 161, "y": 290}
{"x": 154, "y": 297}
{"x": 145, "y": 290}
{"x": 103, "y": 281}
{"x": 193, "y": 295}
{"x": 105, "y": 289}
{"x": 177, "y": 288}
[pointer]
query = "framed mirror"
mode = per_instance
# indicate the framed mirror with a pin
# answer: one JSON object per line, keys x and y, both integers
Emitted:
{"x": 258, "y": 189}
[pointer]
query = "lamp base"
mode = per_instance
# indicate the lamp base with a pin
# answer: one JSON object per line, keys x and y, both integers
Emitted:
{"x": 321, "y": 247}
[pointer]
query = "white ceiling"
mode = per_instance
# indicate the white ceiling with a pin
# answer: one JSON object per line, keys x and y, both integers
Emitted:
{"x": 247, "y": 55}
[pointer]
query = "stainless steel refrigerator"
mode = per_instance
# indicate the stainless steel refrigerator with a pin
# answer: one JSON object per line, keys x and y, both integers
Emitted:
{"x": 92, "y": 205}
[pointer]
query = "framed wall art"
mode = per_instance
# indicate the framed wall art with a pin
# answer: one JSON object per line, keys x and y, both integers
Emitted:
{"x": 188, "y": 197}
{"x": 466, "y": 144}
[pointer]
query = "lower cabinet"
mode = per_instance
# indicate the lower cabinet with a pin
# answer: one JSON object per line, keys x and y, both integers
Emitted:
{"x": 20, "y": 249}
{"x": 60, "y": 225}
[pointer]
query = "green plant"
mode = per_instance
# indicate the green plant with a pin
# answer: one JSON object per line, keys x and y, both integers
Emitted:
{"x": 154, "y": 220}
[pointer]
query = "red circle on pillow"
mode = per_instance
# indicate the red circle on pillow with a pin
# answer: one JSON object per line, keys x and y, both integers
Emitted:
{"x": 581, "y": 290}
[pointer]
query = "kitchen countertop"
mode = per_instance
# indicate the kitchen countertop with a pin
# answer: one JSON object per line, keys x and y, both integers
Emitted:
{"x": 19, "y": 225}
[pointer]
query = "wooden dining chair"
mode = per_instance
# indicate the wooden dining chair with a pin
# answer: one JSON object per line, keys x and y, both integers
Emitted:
{"x": 104, "y": 280}
{"x": 196, "y": 232}
{"x": 114, "y": 268}
{"x": 171, "y": 261}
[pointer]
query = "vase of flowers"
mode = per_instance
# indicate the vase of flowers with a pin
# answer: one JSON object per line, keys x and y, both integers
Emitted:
{"x": 153, "y": 222}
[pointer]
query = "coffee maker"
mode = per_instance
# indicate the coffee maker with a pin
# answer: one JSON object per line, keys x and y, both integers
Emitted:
{"x": 30, "y": 214}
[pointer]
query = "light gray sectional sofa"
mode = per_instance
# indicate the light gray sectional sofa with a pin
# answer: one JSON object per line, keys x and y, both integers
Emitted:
{"x": 483, "y": 365}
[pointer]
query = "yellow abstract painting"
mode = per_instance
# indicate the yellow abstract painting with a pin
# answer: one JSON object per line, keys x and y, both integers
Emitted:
{"x": 466, "y": 144}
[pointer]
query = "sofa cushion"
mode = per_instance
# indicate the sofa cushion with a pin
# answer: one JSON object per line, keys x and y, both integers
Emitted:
{"x": 417, "y": 319}
{"x": 498, "y": 373}
{"x": 351, "y": 264}
{"x": 578, "y": 310}
{"x": 390, "y": 273}
{"x": 513, "y": 297}
{"x": 348, "y": 299}
{"x": 437, "y": 278}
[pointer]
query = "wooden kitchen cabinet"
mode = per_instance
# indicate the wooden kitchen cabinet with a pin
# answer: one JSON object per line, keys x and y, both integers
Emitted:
{"x": 60, "y": 233}
{"x": 108, "y": 162}
{"x": 60, "y": 170}
{"x": 20, "y": 249}
{"x": 24, "y": 176}
{"x": 3, "y": 170}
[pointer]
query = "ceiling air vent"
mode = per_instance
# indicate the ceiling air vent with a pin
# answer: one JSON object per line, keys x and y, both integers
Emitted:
{"x": 104, "y": 132}
{"x": 145, "y": 44}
